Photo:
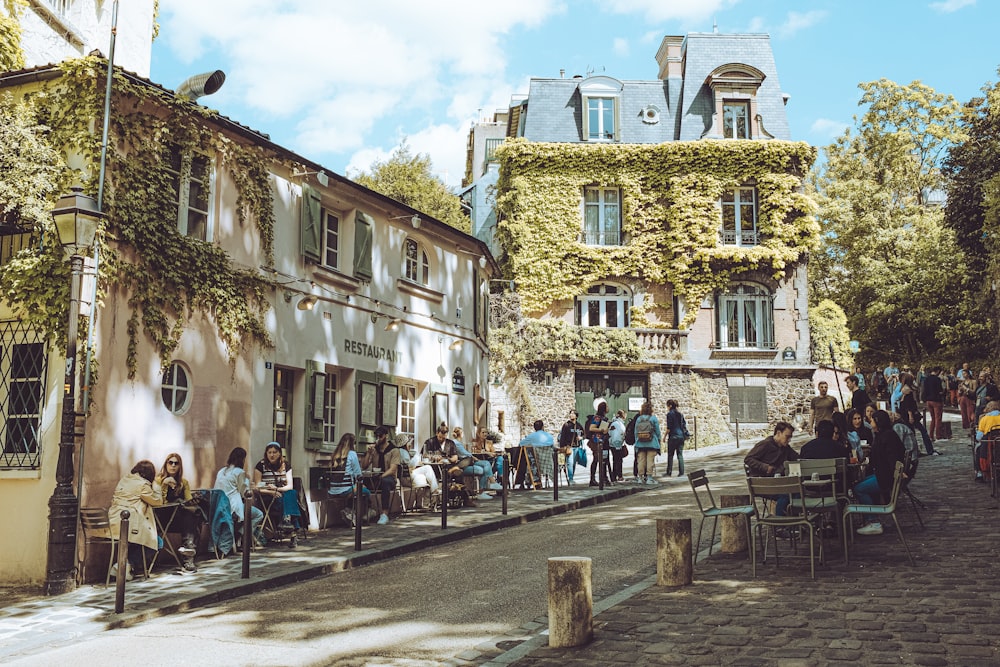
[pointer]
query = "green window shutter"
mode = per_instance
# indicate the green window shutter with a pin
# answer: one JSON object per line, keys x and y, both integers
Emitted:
{"x": 316, "y": 385}
{"x": 311, "y": 224}
{"x": 363, "y": 227}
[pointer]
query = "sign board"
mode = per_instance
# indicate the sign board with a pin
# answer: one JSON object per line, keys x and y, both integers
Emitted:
{"x": 458, "y": 381}
{"x": 855, "y": 346}
{"x": 788, "y": 354}
{"x": 635, "y": 403}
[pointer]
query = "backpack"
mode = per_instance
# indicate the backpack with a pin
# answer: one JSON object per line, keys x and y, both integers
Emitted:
{"x": 644, "y": 430}
{"x": 630, "y": 431}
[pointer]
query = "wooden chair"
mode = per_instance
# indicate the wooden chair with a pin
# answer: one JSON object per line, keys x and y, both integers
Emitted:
{"x": 709, "y": 510}
{"x": 762, "y": 487}
{"x": 888, "y": 509}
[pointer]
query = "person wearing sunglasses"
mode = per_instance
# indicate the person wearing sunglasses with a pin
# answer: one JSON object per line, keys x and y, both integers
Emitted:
{"x": 176, "y": 489}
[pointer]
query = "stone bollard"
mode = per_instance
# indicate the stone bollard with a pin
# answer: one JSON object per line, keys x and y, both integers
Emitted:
{"x": 674, "y": 562}
{"x": 571, "y": 604}
{"x": 734, "y": 527}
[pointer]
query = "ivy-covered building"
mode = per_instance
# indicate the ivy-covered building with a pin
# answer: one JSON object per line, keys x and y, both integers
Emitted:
{"x": 674, "y": 209}
{"x": 245, "y": 294}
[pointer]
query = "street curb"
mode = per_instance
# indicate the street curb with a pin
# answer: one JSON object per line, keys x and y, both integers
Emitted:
{"x": 242, "y": 588}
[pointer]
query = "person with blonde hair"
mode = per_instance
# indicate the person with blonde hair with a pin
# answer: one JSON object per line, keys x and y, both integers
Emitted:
{"x": 175, "y": 488}
{"x": 345, "y": 459}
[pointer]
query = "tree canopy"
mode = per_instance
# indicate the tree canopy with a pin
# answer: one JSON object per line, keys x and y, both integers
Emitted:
{"x": 887, "y": 258}
{"x": 407, "y": 178}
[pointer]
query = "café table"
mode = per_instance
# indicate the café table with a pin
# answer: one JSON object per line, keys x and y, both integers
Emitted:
{"x": 164, "y": 516}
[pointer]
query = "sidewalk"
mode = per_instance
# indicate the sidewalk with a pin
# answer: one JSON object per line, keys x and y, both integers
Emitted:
{"x": 30, "y": 622}
{"x": 878, "y": 610}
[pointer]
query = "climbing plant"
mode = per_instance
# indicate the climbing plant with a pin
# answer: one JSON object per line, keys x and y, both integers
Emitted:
{"x": 669, "y": 212}
{"x": 169, "y": 277}
{"x": 11, "y": 55}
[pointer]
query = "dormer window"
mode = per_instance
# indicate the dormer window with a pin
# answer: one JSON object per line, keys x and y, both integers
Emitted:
{"x": 734, "y": 93}
{"x": 601, "y": 98}
{"x": 416, "y": 268}
{"x": 736, "y": 120}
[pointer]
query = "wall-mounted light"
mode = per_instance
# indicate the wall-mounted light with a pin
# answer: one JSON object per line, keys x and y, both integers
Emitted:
{"x": 414, "y": 219}
{"x": 456, "y": 343}
{"x": 307, "y": 302}
{"x": 321, "y": 176}
{"x": 393, "y": 324}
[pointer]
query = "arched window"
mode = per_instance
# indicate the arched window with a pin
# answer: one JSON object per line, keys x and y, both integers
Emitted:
{"x": 604, "y": 305}
{"x": 415, "y": 265}
{"x": 745, "y": 318}
{"x": 176, "y": 388}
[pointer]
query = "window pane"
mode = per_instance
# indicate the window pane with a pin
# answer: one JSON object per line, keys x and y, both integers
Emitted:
{"x": 746, "y": 217}
{"x": 594, "y": 118}
{"x": 732, "y": 322}
{"x": 728, "y": 217}
{"x": 591, "y": 195}
{"x": 750, "y": 322}
{"x": 611, "y": 314}
{"x": 609, "y": 119}
{"x": 594, "y": 313}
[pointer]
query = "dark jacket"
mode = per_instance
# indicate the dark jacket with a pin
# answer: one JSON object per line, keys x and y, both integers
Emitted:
{"x": 933, "y": 389}
{"x": 570, "y": 434}
{"x": 859, "y": 399}
{"x": 823, "y": 448}
{"x": 768, "y": 453}
{"x": 886, "y": 450}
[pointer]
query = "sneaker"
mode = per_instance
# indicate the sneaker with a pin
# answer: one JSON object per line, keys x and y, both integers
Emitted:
{"x": 484, "y": 496}
{"x": 594, "y": 483}
{"x": 188, "y": 566}
{"x": 372, "y": 515}
{"x": 348, "y": 516}
{"x": 293, "y": 542}
{"x": 384, "y": 519}
{"x": 979, "y": 477}
{"x": 286, "y": 523}
{"x": 128, "y": 571}
{"x": 935, "y": 453}
{"x": 185, "y": 551}
{"x": 495, "y": 487}
{"x": 874, "y": 528}
{"x": 636, "y": 480}
{"x": 650, "y": 481}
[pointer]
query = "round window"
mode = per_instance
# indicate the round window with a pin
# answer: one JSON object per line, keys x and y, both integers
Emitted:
{"x": 176, "y": 388}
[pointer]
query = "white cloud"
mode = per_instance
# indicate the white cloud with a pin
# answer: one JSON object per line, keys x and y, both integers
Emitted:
{"x": 797, "y": 21}
{"x": 665, "y": 10}
{"x": 620, "y": 47}
{"x": 949, "y": 6}
{"x": 336, "y": 72}
{"x": 828, "y": 129}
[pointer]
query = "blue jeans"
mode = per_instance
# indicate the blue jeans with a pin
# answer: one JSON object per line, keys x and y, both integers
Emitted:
{"x": 483, "y": 470}
{"x": 867, "y": 492}
{"x": 780, "y": 503}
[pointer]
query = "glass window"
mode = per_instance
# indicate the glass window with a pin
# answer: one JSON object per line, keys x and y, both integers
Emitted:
{"x": 736, "y": 120}
{"x": 746, "y": 318}
{"x": 176, "y": 388}
{"x": 190, "y": 185}
{"x": 408, "y": 411}
{"x": 604, "y": 306}
{"x": 601, "y": 216}
{"x": 330, "y": 409}
{"x": 600, "y": 118}
{"x": 331, "y": 239}
{"x": 739, "y": 217}
{"x": 415, "y": 264}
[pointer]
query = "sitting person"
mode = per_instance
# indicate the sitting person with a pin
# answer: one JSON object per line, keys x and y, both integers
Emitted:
{"x": 538, "y": 445}
{"x": 482, "y": 469}
{"x": 384, "y": 458}
{"x": 272, "y": 476}
{"x": 989, "y": 421}
{"x": 823, "y": 446}
{"x": 767, "y": 459}
{"x": 886, "y": 450}
{"x": 232, "y": 480}
{"x": 345, "y": 459}
{"x": 858, "y": 434}
{"x": 440, "y": 447}
{"x": 136, "y": 493}
{"x": 188, "y": 519}
{"x": 905, "y": 431}
{"x": 483, "y": 448}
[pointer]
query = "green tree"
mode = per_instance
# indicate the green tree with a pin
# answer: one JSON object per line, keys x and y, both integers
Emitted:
{"x": 973, "y": 212}
{"x": 828, "y": 324}
{"x": 407, "y": 178}
{"x": 887, "y": 258}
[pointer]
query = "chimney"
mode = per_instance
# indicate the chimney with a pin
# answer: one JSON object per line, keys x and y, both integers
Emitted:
{"x": 668, "y": 56}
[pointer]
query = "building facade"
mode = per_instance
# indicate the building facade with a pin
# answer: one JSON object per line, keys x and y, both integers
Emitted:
{"x": 672, "y": 208}
{"x": 246, "y": 295}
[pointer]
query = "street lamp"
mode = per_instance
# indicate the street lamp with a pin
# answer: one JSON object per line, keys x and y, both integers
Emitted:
{"x": 76, "y": 217}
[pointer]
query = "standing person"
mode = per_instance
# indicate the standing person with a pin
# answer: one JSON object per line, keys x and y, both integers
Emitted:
{"x": 188, "y": 519}
{"x": 967, "y": 397}
{"x": 647, "y": 442}
{"x": 886, "y": 450}
{"x": 596, "y": 429}
{"x": 891, "y": 374}
{"x": 860, "y": 375}
{"x": 921, "y": 377}
{"x": 385, "y": 457}
{"x": 910, "y": 412}
{"x": 859, "y": 397}
{"x": 822, "y": 406}
{"x": 570, "y": 436}
{"x": 136, "y": 493}
{"x": 616, "y": 438}
{"x": 767, "y": 458}
{"x": 232, "y": 480}
{"x": 934, "y": 397}
{"x": 345, "y": 459}
{"x": 951, "y": 382}
{"x": 676, "y": 434}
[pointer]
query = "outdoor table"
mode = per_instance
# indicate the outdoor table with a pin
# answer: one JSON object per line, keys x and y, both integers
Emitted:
{"x": 164, "y": 516}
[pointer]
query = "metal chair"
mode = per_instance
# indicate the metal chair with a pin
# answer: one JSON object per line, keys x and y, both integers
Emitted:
{"x": 96, "y": 526}
{"x": 888, "y": 509}
{"x": 910, "y": 463}
{"x": 821, "y": 497}
{"x": 766, "y": 488}
{"x": 698, "y": 479}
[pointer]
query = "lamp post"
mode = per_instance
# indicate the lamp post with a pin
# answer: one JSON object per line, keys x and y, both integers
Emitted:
{"x": 76, "y": 217}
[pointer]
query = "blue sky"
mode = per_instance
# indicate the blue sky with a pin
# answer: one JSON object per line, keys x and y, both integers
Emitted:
{"x": 342, "y": 82}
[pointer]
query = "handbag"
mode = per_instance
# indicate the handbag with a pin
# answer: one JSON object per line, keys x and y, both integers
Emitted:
{"x": 624, "y": 450}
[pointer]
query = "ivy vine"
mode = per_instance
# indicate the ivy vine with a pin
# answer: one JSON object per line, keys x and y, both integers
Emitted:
{"x": 169, "y": 277}
{"x": 669, "y": 195}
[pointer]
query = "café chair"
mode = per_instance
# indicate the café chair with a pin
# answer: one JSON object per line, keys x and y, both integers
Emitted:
{"x": 96, "y": 526}
{"x": 820, "y": 497}
{"x": 709, "y": 510}
{"x": 888, "y": 509}
{"x": 991, "y": 440}
{"x": 910, "y": 464}
{"x": 766, "y": 488}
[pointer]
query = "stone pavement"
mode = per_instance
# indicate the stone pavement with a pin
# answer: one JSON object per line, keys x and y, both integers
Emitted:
{"x": 29, "y": 623}
{"x": 877, "y": 610}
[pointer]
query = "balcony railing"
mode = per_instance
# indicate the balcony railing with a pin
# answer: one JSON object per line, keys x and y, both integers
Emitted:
{"x": 662, "y": 344}
{"x": 745, "y": 345}
{"x": 743, "y": 237}
{"x": 60, "y": 7}
{"x": 601, "y": 238}
{"x": 491, "y": 148}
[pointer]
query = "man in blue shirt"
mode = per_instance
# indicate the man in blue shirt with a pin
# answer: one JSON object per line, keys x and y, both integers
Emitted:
{"x": 542, "y": 440}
